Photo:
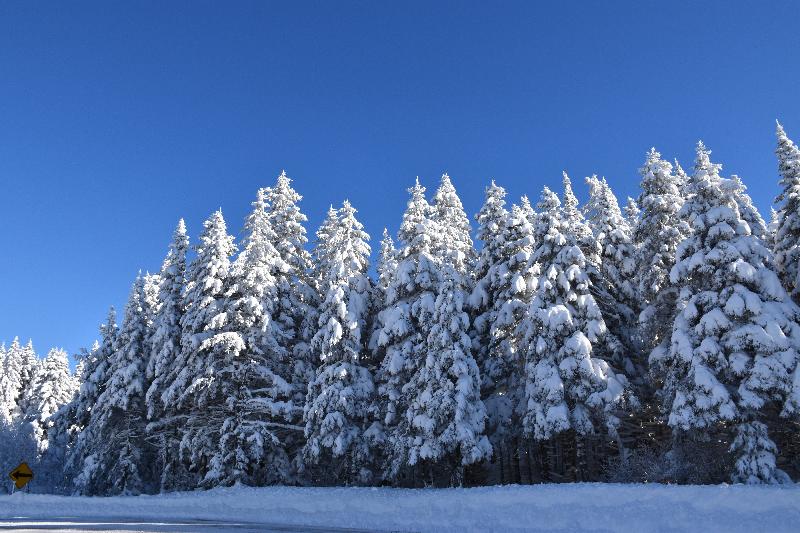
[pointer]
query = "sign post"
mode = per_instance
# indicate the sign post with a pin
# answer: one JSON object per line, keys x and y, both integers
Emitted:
{"x": 21, "y": 475}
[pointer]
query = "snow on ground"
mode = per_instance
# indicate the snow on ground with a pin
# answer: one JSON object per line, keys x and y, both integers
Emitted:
{"x": 563, "y": 508}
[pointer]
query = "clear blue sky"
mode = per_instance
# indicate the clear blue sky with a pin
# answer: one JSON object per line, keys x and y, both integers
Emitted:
{"x": 117, "y": 118}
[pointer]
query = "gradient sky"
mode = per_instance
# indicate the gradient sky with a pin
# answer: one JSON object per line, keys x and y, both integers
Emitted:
{"x": 117, "y": 118}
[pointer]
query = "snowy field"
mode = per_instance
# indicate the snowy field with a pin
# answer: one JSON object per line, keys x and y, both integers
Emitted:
{"x": 563, "y": 508}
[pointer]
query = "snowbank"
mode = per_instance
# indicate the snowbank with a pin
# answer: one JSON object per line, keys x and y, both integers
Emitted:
{"x": 579, "y": 507}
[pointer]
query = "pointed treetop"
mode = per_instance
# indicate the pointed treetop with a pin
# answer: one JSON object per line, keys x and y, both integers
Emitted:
{"x": 417, "y": 191}
{"x": 632, "y": 209}
{"x": 785, "y": 144}
{"x": 548, "y": 201}
{"x": 570, "y": 200}
{"x": 703, "y": 162}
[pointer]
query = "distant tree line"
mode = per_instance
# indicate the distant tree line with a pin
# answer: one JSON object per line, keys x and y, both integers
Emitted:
{"x": 655, "y": 342}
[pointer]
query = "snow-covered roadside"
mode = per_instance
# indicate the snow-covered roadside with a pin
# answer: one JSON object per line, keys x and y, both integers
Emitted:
{"x": 579, "y": 507}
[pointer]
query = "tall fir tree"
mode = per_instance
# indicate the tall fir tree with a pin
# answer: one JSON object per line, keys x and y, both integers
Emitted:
{"x": 513, "y": 290}
{"x": 51, "y": 388}
{"x": 191, "y": 387}
{"x": 29, "y": 367}
{"x": 567, "y": 387}
{"x": 120, "y": 455}
{"x": 11, "y": 383}
{"x": 454, "y": 244}
{"x": 734, "y": 338}
{"x": 446, "y": 415}
{"x": 341, "y": 396}
{"x": 94, "y": 377}
{"x": 297, "y": 299}
{"x": 632, "y": 213}
{"x": 406, "y": 320}
{"x": 657, "y": 236}
{"x": 165, "y": 346}
{"x": 787, "y": 228}
{"x": 256, "y": 391}
{"x": 617, "y": 267}
{"x": 492, "y": 220}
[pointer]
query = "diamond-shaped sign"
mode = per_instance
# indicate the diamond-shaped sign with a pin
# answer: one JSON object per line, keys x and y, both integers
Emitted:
{"x": 21, "y": 475}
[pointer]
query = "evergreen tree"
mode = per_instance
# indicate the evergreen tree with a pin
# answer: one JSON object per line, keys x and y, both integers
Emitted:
{"x": 454, "y": 243}
{"x": 50, "y": 389}
{"x": 340, "y": 398}
{"x": 446, "y": 416}
{"x": 28, "y": 368}
{"x": 165, "y": 346}
{"x": 737, "y": 190}
{"x": 74, "y": 421}
{"x": 322, "y": 250}
{"x": 512, "y": 286}
{"x": 492, "y": 220}
{"x": 120, "y": 457}
{"x": 567, "y": 388}
{"x": 657, "y": 236}
{"x": 734, "y": 338}
{"x": 256, "y": 395}
{"x": 387, "y": 263}
{"x": 11, "y": 383}
{"x": 406, "y": 321}
{"x": 575, "y": 222}
{"x": 192, "y": 387}
{"x": 617, "y": 267}
{"x": 296, "y": 301}
{"x": 787, "y": 231}
{"x": 632, "y": 213}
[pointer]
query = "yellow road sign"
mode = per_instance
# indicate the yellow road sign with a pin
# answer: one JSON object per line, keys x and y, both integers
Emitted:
{"x": 21, "y": 475}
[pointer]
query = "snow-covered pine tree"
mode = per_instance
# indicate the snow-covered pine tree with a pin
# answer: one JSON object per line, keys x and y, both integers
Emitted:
{"x": 492, "y": 220}
{"x": 632, "y": 213}
{"x": 74, "y": 419}
{"x": 296, "y": 303}
{"x": 121, "y": 458}
{"x": 29, "y": 367}
{"x": 747, "y": 210}
{"x": 772, "y": 227}
{"x": 165, "y": 345}
{"x": 656, "y": 237}
{"x": 511, "y": 285}
{"x": 454, "y": 243}
{"x": 187, "y": 391}
{"x": 787, "y": 231}
{"x": 406, "y": 320}
{"x": 528, "y": 210}
{"x": 255, "y": 391}
{"x": 387, "y": 264}
{"x": 51, "y": 389}
{"x": 322, "y": 250}
{"x": 11, "y": 383}
{"x": 567, "y": 387}
{"x": 617, "y": 267}
{"x": 574, "y": 221}
{"x": 385, "y": 268}
{"x": 735, "y": 336}
{"x": 340, "y": 398}
{"x": 446, "y": 416}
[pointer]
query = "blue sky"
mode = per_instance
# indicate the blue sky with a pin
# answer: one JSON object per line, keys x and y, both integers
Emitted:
{"x": 118, "y": 118}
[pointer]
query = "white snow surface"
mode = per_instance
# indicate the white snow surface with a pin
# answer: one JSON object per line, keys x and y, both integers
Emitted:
{"x": 580, "y": 507}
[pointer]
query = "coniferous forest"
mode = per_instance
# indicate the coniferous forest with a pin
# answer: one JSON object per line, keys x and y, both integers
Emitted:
{"x": 657, "y": 341}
